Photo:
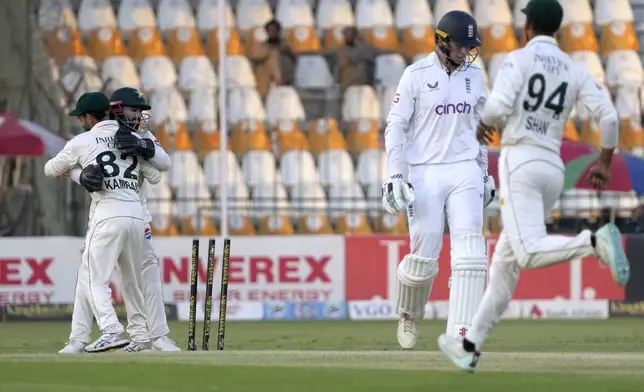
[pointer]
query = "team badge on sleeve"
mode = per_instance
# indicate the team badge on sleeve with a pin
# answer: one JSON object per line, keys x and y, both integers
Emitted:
{"x": 148, "y": 233}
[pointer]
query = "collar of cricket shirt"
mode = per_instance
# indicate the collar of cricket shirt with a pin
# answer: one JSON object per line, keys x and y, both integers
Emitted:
{"x": 542, "y": 38}
{"x": 106, "y": 124}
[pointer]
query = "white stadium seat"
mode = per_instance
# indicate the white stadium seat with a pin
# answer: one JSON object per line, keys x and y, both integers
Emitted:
{"x": 239, "y": 72}
{"x": 173, "y": 14}
{"x": 245, "y": 104}
{"x": 196, "y": 72}
{"x": 335, "y": 166}
{"x": 168, "y": 105}
{"x": 312, "y": 72}
{"x": 360, "y": 102}
{"x": 259, "y": 167}
{"x": 386, "y": 97}
{"x": 56, "y": 13}
{"x": 592, "y": 62}
{"x": 283, "y": 103}
{"x": 252, "y": 14}
{"x": 213, "y": 169}
{"x": 607, "y": 11}
{"x": 372, "y": 13}
{"x": 308, "y": 197}
{"x": 389, "y": 69}
{"x": 81, "y": 75}
{"x": 202, "y": 106}
{"x": 489, "y": 12}
{"x": 412, "y": 13}
{"x": 371, "y": 167}
{"x": 160, "y": 204}
{"x": 623, "y": 68}
{"x": 135, "y": 14}
{"x": 298, "y": 167}
{"x": 119, "y": 71}
{"x": 292, "y": 13}
{"x": 157, "y": 72}
{"x": 208, "y": 16}
{"x": 186, "y": 170}
{"x": 270, "y": 198}
{"x": 332, "y": 13}
{"x": 577, "y": 11}
{"x": 346, "y": 196}
{"x": 441, "y": 7}
{"x": 93, "y": 14}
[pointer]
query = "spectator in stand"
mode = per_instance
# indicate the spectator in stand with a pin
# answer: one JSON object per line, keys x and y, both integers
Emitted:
{"x": 273, "y": 59}
{"x": 635, "y": 223}
{"x": 356, "y": 60}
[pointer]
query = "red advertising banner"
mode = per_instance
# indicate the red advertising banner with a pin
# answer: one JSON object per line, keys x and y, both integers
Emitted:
{"x": 371, "y": 264}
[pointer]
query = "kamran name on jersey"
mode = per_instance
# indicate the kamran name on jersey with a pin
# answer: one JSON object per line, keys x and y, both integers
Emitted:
{"x": 551, "y": 64}
{"x": 120, "y": 183}
{"x": 537, "y": 125}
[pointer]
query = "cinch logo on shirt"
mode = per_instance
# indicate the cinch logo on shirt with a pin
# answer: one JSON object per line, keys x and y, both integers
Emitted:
{"x": 451, "y": 108}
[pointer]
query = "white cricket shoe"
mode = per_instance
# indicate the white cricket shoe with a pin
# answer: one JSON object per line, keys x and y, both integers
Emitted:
{"x": 108, "y": 341}
{"x": 136, "y": 347}
{"x": 407, "y": 331}
{"x": 609, "y": 249}
{"x": 453, "y": 349}
{"x": 74, "y": 347}
{"x": 164, "y": 343}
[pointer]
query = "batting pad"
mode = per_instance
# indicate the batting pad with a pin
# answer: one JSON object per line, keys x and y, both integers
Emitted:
{"x": 467, "y": 284}
{"x": 415, "y": 277}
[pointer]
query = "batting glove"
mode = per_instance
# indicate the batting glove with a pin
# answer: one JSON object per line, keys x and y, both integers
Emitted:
{"x": 489, "y": 190}
{"x": 91, "y": 178}
{"x": 129, "y": 144}
{"x": 397, "y": 194}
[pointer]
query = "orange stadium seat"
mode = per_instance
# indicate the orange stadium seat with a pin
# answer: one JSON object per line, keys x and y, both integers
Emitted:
{"x": 618, "y": 35}
{"x": 64, "y": 43}
{"x": 353, "y": 224}
{"x": 290, "y": 136}
{"x": 205, "y": 226}
{"x": 183, "y": 42}
{"x": 302, "y": 39}
{"x": 249, "y": 135}
{"x": 381, "y": 37}
{"x": 314, "y": 224}
{"x": 145, "y": 42}
{"x": 363, "y": 135}
{"x": 333, "y": 37}
{"x": 570, "y": 131}
{"x": 105, "y": 42}
{"x": 416, "y": 40}
{"x": 234, "y": 45}
{"x": 324, "y": 134}
{"x": 240, "y": 225}
{"x": 390, "y": 224}
{"x": 275, "y": 225}
{"x": 576, "y": 37}
{"x": 497, "y": 38}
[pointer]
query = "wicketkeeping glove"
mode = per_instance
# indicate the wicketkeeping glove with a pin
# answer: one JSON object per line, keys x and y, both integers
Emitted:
{"x": 397, "y": 194}
{"x": 91, "y": 178}
{"x": 489, "y": 190}
{"x": 129, "y": 144}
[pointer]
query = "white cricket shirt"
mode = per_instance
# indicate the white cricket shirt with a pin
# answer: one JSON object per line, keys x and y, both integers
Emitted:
{"x": 434, "y": 115}
{"x": 537, "y": 88}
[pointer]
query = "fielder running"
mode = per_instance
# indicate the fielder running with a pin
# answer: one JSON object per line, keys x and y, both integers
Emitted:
{"x": 431, "y": 137}
{"x": 535, "y": 90}
{"x": 116, "y": 229}
{"x": 127, "y": 106}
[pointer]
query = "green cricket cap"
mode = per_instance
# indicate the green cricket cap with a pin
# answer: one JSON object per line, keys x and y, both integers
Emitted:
{"x": 91, "y": 103}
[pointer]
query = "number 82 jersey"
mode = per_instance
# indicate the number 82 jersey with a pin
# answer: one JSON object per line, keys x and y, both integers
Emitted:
{"x": 536, "y": 89}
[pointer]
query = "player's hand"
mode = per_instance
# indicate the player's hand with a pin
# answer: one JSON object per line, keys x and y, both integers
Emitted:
{"x": 91, "y": 178}
{"x": 129, "y": 144}
{"x": 484, "y": 133}
{"x": 397, "y": 194}
{"x": 599, "y": 175}
{"x": 489, "y": 190}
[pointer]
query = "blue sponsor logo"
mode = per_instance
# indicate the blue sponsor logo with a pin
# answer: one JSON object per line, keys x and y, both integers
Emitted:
{"x": 305, "y": 310}
{"x": 148, "y": 233}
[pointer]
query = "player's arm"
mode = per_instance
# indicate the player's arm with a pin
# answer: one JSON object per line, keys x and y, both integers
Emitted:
{"x": 63, "y": 162}
{"x": 600, "y": 106}
{"x": 161, "y": 160}
{"x": 150, "y": 173}
{"x": 481, "y": 159}
{"x": 507, "y": 87}
{"x": 75, "y": 174}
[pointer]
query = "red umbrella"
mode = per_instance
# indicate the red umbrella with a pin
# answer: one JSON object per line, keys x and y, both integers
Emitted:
{"x": 24, "y": 138}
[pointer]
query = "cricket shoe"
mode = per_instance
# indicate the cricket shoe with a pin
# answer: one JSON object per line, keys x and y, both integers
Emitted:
{"x": 137, "y": 347}
{"x": 108, "y": 341}
{"x": 610, "y": 251}
{"x": 453, "y": 349}
{"x": 164, "y": 343}
{"x": 407, "y": 331}
{"x": 74, "y": 347}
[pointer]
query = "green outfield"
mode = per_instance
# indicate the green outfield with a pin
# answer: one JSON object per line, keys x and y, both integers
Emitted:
{"x": 525, "y": 356}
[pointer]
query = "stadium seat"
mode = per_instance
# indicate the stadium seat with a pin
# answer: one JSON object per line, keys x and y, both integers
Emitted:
{"x": 389, "y": 69}
{"x": 240, "y": 225}
{"x": 94, "y": 14}
{"x": 386, "y": 97}
{"x": 578, "y": 36}
{"x": 172, "y": 14}
{"x": 361, "y": 110}
{"x": 409, "y": 13}
{"x": 252, "y": 14}
{"x": 347, "y": 207}
{"x": 80, "y": 75}
{"x": 376, "y": 23}
{"x": 195, "y": 210}
{"x": 607, "y": 11}
{"x": 196, "y": 72}
{"x": 157, "y": 72}
{"x": 441, "y": 7}
{"x": 335, "y": 166}
{"x": 259, "y": 168}
{"x": 168, "y": 105}
{"x": 312, "y": 72}
{"x": 64, "y": 43}
{"x": 298, "y": 167}
{"x": 249, "y": 135}
{"x": 577, "y": 11}
{"x": 591, "y": 61}
{"x": 119, "y": 71}
{"x": 162, "y": 208}
{"x": 234, "y": 45}
{"x": 371, "y": 167}
{"x": 390, "y": 224}
{"x": 283, "y": 103}
{"x": 105, "y": 42}
{"x": 183, "y": 42}
{"x": 145, "y": 42}
{"x": 269, "y": 198}
{"x": 519, "y": 17}
{"x": 627, "y": 103}
{"x": 491, "y": 12}
{"x": 202, "y": 113}
{"x": 617, "y": 35}
{"x": 53, "y": 14}
{"x": 302, "y": 39}
{"x": 309, "y": 206}
{"x": 238, "y": 199}
{"x": 497, "y": 38}
{"x": 324, "y": 134}
{"x": 623, "y": 68}
{"x": 213, "y": 170}
{"x": 186, "y": 171}
{"x": 239, "y": 73}
{"x": 247, "y": 113}
{"x": 275, "y": 225}
{"x": 331, "y": 17}
{"x": 134, "y": 15}
{"x": 417, "y": 39}
{"x": 294, "y": 13}
{"x": 208, "y": 16}
{"x": 373, "y": 199}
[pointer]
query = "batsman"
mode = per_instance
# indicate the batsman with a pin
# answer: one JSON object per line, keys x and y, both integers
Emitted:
{"x": 127, "y": 107}
{"x": 437, "y": 167}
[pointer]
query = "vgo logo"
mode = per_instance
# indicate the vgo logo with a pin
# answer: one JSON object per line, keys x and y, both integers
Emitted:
{"x": 450, "y": 108}
{"x": 372, "y": 310}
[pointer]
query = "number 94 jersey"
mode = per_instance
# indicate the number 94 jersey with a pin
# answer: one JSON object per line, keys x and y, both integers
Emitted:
{"x": 122, "y": 174}
{"x": 536, "y": 89}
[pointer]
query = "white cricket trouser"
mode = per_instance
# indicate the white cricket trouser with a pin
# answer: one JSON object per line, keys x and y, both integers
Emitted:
{"x": 531, "y": 182}
{"x": 152, "y": 288}
{"x": 455, "y": 189}
{"x": 114, "y": 243}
